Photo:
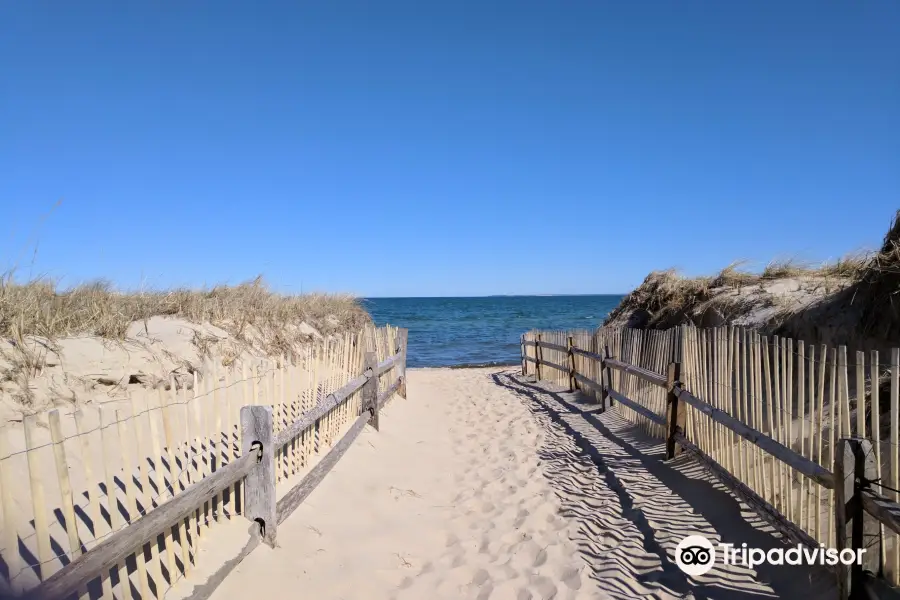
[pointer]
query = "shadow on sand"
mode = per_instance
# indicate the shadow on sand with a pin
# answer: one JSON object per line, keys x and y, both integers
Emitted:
{"x": 632, "y": 508}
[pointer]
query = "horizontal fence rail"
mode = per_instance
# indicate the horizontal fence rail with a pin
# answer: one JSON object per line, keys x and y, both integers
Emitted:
{"x": 122, "y": 543}
{"x": 196, "y": 459}
{"x": 767, "y": 416}
{"x": 885, "y": 510}
{"x": 645, "y": 412}
{"x": 797, "y": 461}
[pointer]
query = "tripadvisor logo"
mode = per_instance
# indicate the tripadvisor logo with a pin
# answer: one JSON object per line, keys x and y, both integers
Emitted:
{"x": 696, "y": 555}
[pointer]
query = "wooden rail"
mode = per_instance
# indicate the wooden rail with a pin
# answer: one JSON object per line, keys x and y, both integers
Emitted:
{"x": 295, "y": 497}
{"x": 764, "y": 382}
{"x": 587, "y": 354}
{"x": 675, "y": 429}
{"x": 555, "y": 365}
{"x": 763, "y": 508}
{"x": 550, "y": 346}
{"x": 386, "y": 394}
{"x": 589, "y": 382}
{"x": 646, "y": 412}
{"x": 885, "y": 510}
{"x": 646, "y": 375}
{"x": 797, "y": 461}
{"x": 320, "y": 410}
{"x": 388, "y": 363}
{"x": 119, "y": 545}
{"x": 255, "y": 467}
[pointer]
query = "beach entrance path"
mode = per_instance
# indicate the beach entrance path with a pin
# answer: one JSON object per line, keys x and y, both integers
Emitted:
{"x": 484, "y": 485}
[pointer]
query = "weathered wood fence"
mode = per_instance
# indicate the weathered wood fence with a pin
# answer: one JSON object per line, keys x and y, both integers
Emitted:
{"x": 135, "y": 489}
{"x": 769, "y": 417}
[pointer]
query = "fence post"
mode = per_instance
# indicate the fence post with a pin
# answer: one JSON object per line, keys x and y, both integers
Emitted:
{"x": 370, "y": 388}
{"x": 598, "y": 373}
{"x": 259, "y": 485}
{"x": 573, "y": 383}
{"x": 676, "y": 414}
{"x": 524, "y": 354}
{"x": 404, "y": 337}
{"x": 607, "y": 399}
{"x": 854, "y": 470}
{"x": 538, "y": 355}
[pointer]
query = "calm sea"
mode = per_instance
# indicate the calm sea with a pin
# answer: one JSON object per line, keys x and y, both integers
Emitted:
{"x": 446, "y": 332}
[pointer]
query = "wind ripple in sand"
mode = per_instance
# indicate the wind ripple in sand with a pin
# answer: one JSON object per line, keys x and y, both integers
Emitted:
{"x": 506, "y": 538}
{"x": 449, "y": 500}
{"x": 633, "y": 509}
{"x": 485, "y": 486}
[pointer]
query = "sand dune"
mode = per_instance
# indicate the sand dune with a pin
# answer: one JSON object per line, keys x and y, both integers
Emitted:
{"x": 483, "y": 485}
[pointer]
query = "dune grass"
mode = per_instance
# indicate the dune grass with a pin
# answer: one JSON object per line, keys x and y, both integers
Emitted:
{"x": 667, "y": 298}
{"x": 39, "y": 308}
{"x": 34, "y": 314}
{"x": 855, "y": 296}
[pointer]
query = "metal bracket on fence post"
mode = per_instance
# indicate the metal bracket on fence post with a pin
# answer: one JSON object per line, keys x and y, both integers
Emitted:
{"x": 573, "y": 384}
{"x": 259, "y": 485}
{"x": 675, "y": 414}
{"x": 854, "y": 471}
{"x": 607, "y": 399}
{"x": 370, "y": 388}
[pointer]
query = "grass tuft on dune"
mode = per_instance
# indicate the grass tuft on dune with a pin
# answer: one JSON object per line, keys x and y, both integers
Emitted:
{"x": 852, "y": 298}
{"x": 39, "y": 308}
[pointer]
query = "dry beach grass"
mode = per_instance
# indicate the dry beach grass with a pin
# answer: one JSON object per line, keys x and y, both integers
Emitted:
{"x": 56, "y": 345}
{"x": 39, "y": 308}
{"x": 847, "y": 301}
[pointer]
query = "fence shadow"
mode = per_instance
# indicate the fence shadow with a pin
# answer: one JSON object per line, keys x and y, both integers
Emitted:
{"x": 632, "y": 508}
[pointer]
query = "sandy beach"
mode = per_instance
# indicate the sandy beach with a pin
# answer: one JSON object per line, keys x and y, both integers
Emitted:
{"x": 484, "y": 485}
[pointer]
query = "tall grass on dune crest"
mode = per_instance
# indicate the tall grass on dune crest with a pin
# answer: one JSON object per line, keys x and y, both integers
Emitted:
{"x": 667, "y": 298}
{"x": 878, "y": 289}
{"x": 39, "y": 308}
{"x": 34, "y": 315}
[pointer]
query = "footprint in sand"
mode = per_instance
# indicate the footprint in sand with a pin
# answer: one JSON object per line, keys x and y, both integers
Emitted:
{"x": 540, "y": 558}
{"x": 481, "y": 577}
{"x": 570, "y": 577}
{"x": 520, "y": 518}
{"x": 544, "y": 586}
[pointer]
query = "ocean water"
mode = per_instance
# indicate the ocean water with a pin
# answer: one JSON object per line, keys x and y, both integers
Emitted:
{"x": 445, "y": 332}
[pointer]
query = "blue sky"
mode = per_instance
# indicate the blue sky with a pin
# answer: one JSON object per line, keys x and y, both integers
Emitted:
{"x": 442, "y": 148}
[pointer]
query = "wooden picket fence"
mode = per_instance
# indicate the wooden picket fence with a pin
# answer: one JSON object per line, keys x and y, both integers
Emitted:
{"x": 177, "y": 465}
{"x": 765, "y": 414}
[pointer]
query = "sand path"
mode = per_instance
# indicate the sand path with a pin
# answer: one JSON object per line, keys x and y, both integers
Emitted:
{"x": 483, "y": 485}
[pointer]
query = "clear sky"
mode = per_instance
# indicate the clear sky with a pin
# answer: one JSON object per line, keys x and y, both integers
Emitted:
{"x": 442, "y": 148}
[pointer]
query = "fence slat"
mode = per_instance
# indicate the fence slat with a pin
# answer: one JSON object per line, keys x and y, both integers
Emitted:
{"x": 779, "y": 451}
{"x": 130, "y": 498}
{"x": 10, "y": 520}
{"x": 107, "y": 420}
{"x": 93, "y": 492}
{"x": 38, "y": 501}
{"x": 65, "y": 484}
{"x": 118, "y": 546}
{"x": 169, "y": 538}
